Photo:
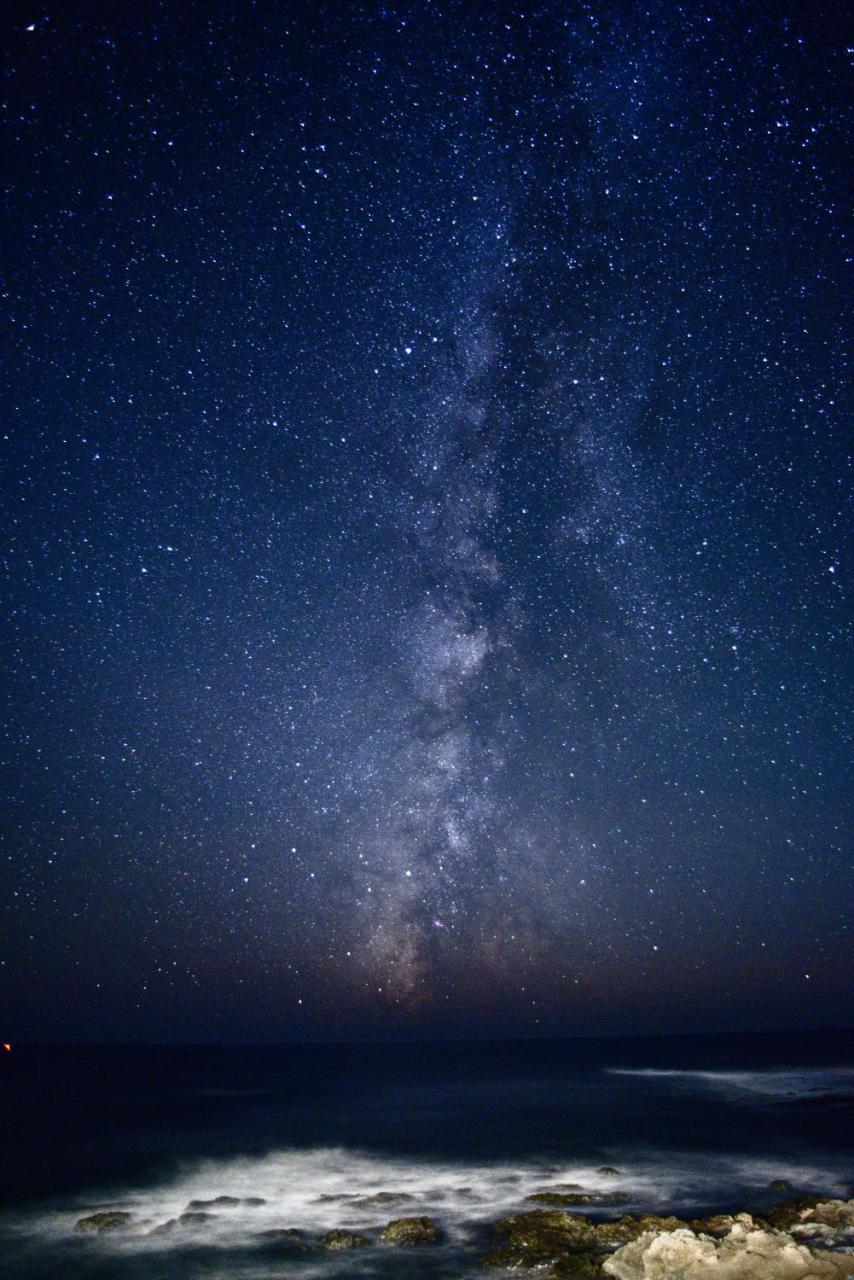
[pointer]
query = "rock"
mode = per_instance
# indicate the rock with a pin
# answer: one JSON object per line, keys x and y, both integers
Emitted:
{"x": 382, "y": 1200}
{"x": 746, "y": 1252}
{"x": 788, "y": 1212}
{"x": 543, "y": 1239}
{"x": 567, "y": 1244}
{"x": 98, "y": 1223}
{"x": 830, "y": 1224}
{"x": 189, "y": 1219}
{"x": 609, "y": 1170}
{"x": 287, "y": 1240}
{"x": 411, "y": 1231}
{"x": 717, "y": 1224}
{"x": 780, "y": 1184}
{"x": 579, "y": 1264}
{"x": 577, "y": 1197}
{"x": 225, "y": 1202}
{"x": 629, "y": 1227}
{"x": 343, "y": 1240}
{"x": 838, "y": 1214}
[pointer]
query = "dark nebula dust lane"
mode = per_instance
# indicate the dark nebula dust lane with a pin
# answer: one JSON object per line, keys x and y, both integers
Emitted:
{"x": 425, "y": 516}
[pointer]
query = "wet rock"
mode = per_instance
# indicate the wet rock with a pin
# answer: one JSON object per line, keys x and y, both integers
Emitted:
{"x": 746, "y": 1252}
{"x": 411, "y": 1231}
{"x": 788, "y": 1212}
{"x": 780, "y": 1184}
{"x": 630, "y": 1227}
{"x": 287, "y": 1240}
{"x": 561, "y": 1245}
{"x": 383, "y": 1200}
{"x": 225, "y": 1202}
{"x": 716, "y": 1224}
{"x": 191, "y": 1218}
{"x": 609, "y": 1170}
{"x": 542, "y": 1240}
{"x": 343, "y": 1240}
{"x": 553, "y": 1197}
{"x": 98, "y": 1223}
{"x": 829, "y": 1225}
{"x": 579, "y": 1264}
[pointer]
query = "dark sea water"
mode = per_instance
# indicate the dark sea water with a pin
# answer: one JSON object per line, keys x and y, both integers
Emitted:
{"x": 466, "y": 1130}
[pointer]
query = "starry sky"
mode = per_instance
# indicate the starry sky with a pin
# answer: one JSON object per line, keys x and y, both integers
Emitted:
{"x": 424, "y": 508}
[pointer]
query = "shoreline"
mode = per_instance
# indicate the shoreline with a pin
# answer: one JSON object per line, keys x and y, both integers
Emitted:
{"x": 798, "y": 1238}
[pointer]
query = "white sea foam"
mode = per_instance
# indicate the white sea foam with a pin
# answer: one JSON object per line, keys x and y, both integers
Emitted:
{"x": 318, "y": 1189}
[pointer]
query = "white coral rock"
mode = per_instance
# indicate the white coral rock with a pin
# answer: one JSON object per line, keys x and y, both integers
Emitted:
{"x": 831, "y": 1213}
{"x": 746, "y": 1252}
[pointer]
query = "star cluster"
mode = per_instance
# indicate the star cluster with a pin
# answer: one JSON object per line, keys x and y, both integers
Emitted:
{"x": 424, "y": 519}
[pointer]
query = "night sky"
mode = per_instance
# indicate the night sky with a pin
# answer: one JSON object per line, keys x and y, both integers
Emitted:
{"x": 424, "y": 511}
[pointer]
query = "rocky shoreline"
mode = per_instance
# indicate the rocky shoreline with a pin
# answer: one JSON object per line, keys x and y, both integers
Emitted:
{"x": 807, "y": 1238}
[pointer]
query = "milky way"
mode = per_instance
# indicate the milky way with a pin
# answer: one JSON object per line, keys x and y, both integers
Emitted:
{"x": 425, "y": 521}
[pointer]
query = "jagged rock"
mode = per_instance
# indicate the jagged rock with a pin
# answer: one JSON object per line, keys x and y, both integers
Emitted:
{"x": 746, "y": 1252}
{"x": 788, "y": 1212}
{"x": 566, "y": 1244}
{"x": 343, "y": 1240}
{"x": 830, "y": 1224}
{"x": 574, "y": 1266}
{"x": 831, "y": 1213}
{"x": 630, "y": 1227}
{"x": 98, "y": 1223}
{"x": 411, "y": 1231}
{"x": 541, "y": 1239}
{"x": 717, "y": 1224}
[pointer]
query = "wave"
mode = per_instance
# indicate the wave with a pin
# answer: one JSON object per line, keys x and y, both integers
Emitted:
{"x": 780, "y": 1085}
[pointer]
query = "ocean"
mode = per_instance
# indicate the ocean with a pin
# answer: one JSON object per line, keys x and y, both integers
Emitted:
{"x": 318, "y": 1137}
